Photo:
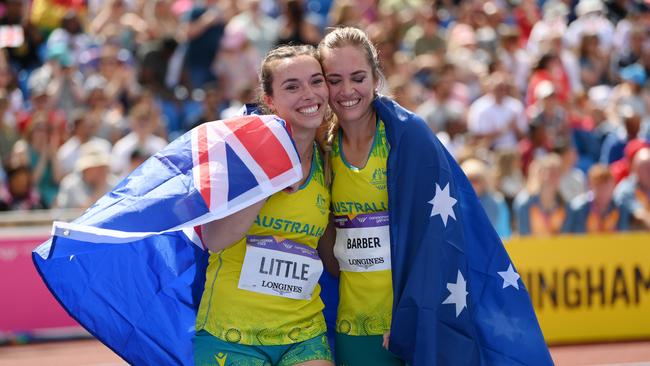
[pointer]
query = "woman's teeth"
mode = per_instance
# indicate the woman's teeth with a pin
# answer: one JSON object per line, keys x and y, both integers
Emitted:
{"x": 308, "y": 110}
{"x": 350, "y": 103}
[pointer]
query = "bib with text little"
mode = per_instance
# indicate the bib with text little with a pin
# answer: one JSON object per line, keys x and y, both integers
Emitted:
{"x": 280, "y": 267}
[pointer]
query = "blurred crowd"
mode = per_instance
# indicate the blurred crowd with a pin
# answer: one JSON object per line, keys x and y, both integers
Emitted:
{"x": 545, "y": 103}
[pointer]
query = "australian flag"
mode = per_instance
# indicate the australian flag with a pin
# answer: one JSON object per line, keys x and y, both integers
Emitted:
{"x": 458, "y": 299}
{"x": 131, "y": 269}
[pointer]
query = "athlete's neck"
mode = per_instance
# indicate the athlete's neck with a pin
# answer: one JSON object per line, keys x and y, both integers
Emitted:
{"x": 359, "y": 132}
{"x": 304, "y": 139}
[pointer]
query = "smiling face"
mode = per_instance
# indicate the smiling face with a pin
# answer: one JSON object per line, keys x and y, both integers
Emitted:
{"x": 351, "y": 83}
{"x": 299, "y": 94}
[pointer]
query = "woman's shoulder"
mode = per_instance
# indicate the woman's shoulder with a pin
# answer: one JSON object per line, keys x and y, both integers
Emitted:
{"x": 399, "y": 120}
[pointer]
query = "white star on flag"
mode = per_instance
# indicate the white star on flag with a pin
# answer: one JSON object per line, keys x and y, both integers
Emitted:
{"x": 443, "y": 204}
{"x": 457, "y": 294}
{"x": 510, "y": 277}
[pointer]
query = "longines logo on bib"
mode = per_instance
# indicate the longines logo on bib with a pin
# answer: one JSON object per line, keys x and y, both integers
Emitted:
{"x": 363, "y": 242}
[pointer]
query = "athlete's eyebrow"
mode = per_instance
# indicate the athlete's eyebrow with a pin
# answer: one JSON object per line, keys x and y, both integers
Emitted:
{"x": 292, "y": 80}
{"x": 296, "y": 80}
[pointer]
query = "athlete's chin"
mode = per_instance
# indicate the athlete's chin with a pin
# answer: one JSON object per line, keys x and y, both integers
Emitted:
{"x": 310, "y": 123}
{"x": 348, "y": 115}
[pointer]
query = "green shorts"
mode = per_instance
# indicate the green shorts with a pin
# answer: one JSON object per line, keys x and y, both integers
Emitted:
{"x": 362, "y": 351}
{"x": 212, "y": 351}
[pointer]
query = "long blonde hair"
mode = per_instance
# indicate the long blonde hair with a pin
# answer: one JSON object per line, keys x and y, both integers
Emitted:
{"x": 342, "y": 37}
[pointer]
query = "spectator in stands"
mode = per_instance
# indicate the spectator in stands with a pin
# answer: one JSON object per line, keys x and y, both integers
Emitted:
{"x": 631, "y": 92}
{"x": 535, "y": 145}
{"x": 295, "y": 27}
{"x": 346, "y": 13}
{"x": 492, "y": 201}
{"x": 44, "y": 139}
{"x": 115, "y": 66}
{"x": 590, "y": 17}
{"x": 261, "y": 29}
{"x": 572, "y": 181}
{"x": 540, "y": 209}
{"x": 621, "y": 168}
{"x": 508, "y": 176}
{"x": 142, "y": 136}
{"x": 425, "y": 37}
{"x": 234, "y": 109}
{"x": 445, "y": 95}
{"x": 155, "y": 58}
{"x": 9, "y": 83}
{"x": 497, "y": 118}
{"x": 117, "y": 23}
{"x": 596, "y": 211}
{"x": 453, "y": 136}
{"x": 160, "y": 20}
{"x": 549, "y": 67}
{"x": 589, "y": 139}
{"x": 23, "y": 195}
{"x": 615, "y": 142}
{"x": 40, "y": 101}
{"x": 554, "y": 21}
{"x": 526, "y": 15}
{"x": 69, "y": 36}
{"x": 108, "y": 116}
{"x": 514, "y": 58}
{"x": 237, "y": 62}
{"x": 19, "y": 192}
{"x": 212, "y": 105}
{"x": 90, "y": 179}
{"x": 8, "y": 132}
{"x": 633, "y": 193}
{"x": 593, "y": 60}
{"x": 83, "y": 131}
{"x": 548, "y": 112}
{"x": 66, "y": 81}
{"x": 631, "y": 53}
{"x": 23, "y": 56}
{"x": 202, "y": 28}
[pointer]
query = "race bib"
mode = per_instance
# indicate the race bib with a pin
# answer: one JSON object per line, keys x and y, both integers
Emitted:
{"x": 363, "y": 242}
{"x": 280, "y": 267}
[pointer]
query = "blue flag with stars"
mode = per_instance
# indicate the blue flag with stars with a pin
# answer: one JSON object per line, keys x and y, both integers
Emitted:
{"x": 458, "y": 299}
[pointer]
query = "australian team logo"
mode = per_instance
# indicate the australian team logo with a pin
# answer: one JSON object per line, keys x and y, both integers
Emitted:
{"x": 321, "y": 203}
{"x": 379, "y": 178}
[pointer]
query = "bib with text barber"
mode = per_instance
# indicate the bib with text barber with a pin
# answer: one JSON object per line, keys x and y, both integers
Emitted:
{"x": 280, "y": 267}
{"x": 363, "y": 242}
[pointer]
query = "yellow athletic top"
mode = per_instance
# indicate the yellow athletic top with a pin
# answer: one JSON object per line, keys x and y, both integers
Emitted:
{"x": 366, "y": 298}
{"x": 252, "y": 318}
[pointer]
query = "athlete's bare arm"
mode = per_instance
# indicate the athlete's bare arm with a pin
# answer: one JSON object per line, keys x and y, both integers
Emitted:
{"x": 326, "y": 249}
{"x": 222, "y": 233}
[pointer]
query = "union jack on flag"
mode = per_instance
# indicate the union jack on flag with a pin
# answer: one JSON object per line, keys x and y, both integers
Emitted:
{"x": 140, "y": 297}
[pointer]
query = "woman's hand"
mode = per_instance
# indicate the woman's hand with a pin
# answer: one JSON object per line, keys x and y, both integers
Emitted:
{"x": 386, "y": 340}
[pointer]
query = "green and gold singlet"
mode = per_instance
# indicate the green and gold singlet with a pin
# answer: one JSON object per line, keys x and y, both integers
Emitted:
{"x": 255, "y": 291}
{"x": 360, "y": 207}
